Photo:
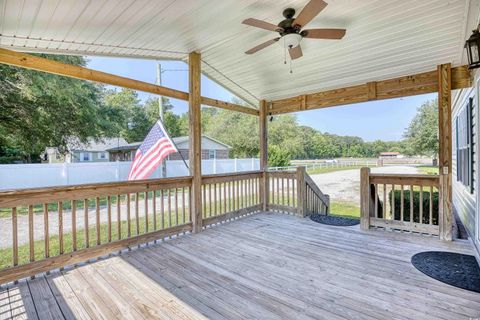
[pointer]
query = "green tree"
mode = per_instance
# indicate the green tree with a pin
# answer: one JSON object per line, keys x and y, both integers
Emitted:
{"x": 422, "y": 133}
{"x": 278, "y": 156}
{"x": 39, "y": 109}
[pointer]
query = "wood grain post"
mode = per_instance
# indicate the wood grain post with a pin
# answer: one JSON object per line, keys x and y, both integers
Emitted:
{"x": 195, "y": 140}
{"x": 301, "y": 192}
{"x": 365, "y": 198}
{"x": 327, "y": 204}
{"x": 445, "y": 150}
{"x": 264, "y": 185}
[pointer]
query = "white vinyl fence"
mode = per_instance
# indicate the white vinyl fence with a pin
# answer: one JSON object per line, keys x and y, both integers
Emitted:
{"x": 19, "y": 176}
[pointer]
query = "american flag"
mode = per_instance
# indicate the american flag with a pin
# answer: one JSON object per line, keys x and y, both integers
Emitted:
{"x": 156, "y": 146}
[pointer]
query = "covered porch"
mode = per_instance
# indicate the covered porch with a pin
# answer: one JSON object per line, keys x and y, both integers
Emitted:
{"x": 238, "y": 245}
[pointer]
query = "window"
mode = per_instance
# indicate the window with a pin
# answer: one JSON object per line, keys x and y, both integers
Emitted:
{"x": 212, "y": 154}
{"x": 464, "y": 146}
{"x": 85, "y": 156}
{"x": 103, "y": 155}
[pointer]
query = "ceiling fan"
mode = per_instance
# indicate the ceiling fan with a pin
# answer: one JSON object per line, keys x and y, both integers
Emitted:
{"x": 291, "y": 32}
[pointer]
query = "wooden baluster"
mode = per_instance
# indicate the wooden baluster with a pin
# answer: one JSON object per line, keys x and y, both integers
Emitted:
{"x": 431, "y": 205}
{"x": 210, "y": 209}
{"x": 234, "y": 189}
{"x": 15, "y": 236}
{"x": 183, "y": 205}
{"x": 189, "y": 201}
{"x": 401, "y": 202}
{"x": 204, "y": 189}
{"x": 288, "y": 192}
{"x": 215, "y": 199}
{"x": 60, "y": 227}
{"x": 393, "y": 203}
{"x": 278, "y": 191}
{"x": 283, "y": 191}
{"x": 411, "y": 203}
{"x": 46, "y": 230}
{"x": 169, "y": 201}
{"x": 225, "y": 197}
{"x": 162, "y": 208}
{"x": 375, "y": 187}
{"x": 109, "y": 219}
{"x": 74, "y": 225}
{"x": 137, "y": 218}
{"x": 176, "y": 206}
{"x": 420, "y": 219}
{"x": 384, "y": 201}
{"x": 119, "y": 217}
{"x": 85, "y": 216}
{"x": 30, "y": 233}
{"x": 154, "y": 209}
{"x": 129, "y": 222}
{"x": 97, "y": 216}
{"x": 145, "y": 201}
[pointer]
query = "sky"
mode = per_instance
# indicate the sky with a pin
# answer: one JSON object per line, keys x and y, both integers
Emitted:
{"x": 375, "y": 120}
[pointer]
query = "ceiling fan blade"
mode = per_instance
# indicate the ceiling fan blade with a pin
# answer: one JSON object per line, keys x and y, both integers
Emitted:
{"x": 311, "y": 10}
{"x": 295, "y": 52}
{"x": 262, "y": 24}
{"x": 261, "y": 46}
{"x": 324, "y": 33}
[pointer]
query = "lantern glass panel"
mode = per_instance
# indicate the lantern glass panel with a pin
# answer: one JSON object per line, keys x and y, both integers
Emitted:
{"x": 474, "y": 54}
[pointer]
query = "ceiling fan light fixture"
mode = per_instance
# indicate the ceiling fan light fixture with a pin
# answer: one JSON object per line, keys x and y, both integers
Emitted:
{"x": 290, "y": 40}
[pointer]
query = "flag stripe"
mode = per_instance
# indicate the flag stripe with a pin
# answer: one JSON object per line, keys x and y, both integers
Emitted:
{"x": 151, "y": 154}
{"x": 153, "y": 150}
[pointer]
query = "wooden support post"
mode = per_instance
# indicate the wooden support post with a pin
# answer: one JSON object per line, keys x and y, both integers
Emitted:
{"x": 365, "y": 198}
{"x": 445, "y": 150}
{"x": 264, "y": 185}
{"x": 195, "y": 155}
{"x": 301, "y": 192}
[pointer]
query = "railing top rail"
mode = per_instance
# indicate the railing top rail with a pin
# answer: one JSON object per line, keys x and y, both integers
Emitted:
{"x": 405, "y": 179}
{"x": 282, "y": 174}
{"x": 32, "y": 196}
{"x": 223, "y": 177}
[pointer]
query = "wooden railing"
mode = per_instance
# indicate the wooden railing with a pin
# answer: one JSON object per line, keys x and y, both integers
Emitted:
{"x": 296, "y": 192}
{"x": 50, "y": 228}
{"x": 400, "y": 202}
{"x": 230, "y": 196}
{"x": 62, "y": 226}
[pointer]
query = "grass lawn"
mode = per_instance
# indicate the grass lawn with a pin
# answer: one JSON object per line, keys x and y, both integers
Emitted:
{"x": 333, "y": 169}
{"x": 428, "y": 170}
{"x": 345, "y": 209}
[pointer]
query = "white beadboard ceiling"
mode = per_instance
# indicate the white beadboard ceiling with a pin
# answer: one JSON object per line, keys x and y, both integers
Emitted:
{"x": 385, "y": 38}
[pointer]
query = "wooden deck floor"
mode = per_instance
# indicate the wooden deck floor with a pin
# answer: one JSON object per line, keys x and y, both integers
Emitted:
{"x": 266, "y": 266}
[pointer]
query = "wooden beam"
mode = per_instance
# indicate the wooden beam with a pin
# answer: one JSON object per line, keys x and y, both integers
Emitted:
{"x": 364, "y": 198}
{"x": 445, "y": 150}
{"x": 228, "y": 106}
{"x": 195, "y": 140}
{"x": 32, "y": 62}
{"x": 421, "y": 83}
{"x": 262, "y": 124}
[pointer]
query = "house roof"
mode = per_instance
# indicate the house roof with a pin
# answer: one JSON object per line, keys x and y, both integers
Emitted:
{"x": 182, "y": 143}
{"x": 385, "y": 38}
{"x": 93, "y": 145}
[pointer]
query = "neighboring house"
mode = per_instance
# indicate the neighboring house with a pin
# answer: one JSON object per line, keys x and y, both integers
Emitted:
{"x": 211, "y": 149}
{"x": 92, "y": 151}
{"x": 465, "y": 164}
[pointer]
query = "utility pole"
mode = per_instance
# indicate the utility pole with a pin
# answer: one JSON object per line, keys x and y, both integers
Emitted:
{"x": 161, "y": 113}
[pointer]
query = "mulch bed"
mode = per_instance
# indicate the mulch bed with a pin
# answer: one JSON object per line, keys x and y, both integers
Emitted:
{"x": 459, "y": 270}
{"x": 334, "y": 221}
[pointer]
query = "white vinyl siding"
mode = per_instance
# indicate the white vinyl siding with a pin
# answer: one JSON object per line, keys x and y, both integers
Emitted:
{"x": 464, "y": 197}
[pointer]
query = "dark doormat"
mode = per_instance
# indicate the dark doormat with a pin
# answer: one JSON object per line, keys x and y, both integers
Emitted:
{"x": 459, "y": 270}
{"x": 334, "y": 221}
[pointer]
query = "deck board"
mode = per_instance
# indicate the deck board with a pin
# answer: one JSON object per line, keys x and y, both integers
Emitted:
{"x": 265, "y": 266}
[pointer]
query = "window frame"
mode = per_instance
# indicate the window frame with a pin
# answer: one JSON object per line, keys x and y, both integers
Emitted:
{"x": 464, "y": 145}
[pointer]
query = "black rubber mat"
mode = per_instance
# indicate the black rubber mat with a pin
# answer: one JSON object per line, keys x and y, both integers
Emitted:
{"x": 459, "y": 270}
{"x": 334, "y": 221}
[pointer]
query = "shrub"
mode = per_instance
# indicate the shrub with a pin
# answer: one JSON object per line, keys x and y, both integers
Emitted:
{"x": 416, "y": 206}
